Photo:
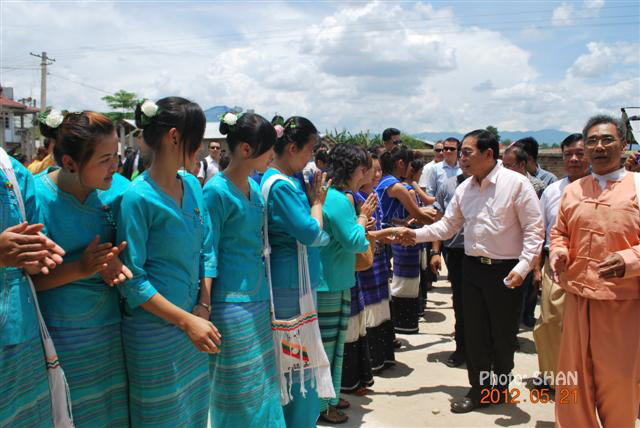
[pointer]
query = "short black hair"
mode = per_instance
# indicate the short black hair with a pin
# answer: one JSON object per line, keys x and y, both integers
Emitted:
{"x": 485, "y": 140}
{"x": 389, "y": 132}
{"x": 604, "y": 118}
{"x": 454, "y": 140}
{"x": 530, "y": 145}
{"x": 519, "y": 153}
{"x": 571, "y": 139}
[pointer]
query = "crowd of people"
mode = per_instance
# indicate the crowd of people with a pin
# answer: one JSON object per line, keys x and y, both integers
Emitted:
{"x": 257, "y": 286}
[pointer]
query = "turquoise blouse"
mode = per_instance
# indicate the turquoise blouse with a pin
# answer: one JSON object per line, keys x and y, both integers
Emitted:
{"x": 290, "y": 221}
{"x": 167, "y": 244}
{"x": 348, "y": 238}
{"x": 18, "y": 321}
{"x": 237, "y": 241}
{"x": 88, "y": 302}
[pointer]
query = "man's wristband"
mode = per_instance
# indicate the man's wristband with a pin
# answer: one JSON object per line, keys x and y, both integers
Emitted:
{"x": 204, "y": 305}
{"x": 435, "y": 253}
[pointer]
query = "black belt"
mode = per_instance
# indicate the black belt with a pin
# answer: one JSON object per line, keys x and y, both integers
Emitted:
{"x": 488, "y": 261}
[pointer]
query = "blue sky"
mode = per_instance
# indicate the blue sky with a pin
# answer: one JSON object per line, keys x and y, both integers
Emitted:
{"x": 419, "y": 66}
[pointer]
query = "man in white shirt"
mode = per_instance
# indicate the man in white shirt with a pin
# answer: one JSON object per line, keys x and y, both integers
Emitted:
{"x": 503, "y": 229}
{"x": 446, "y": 169}
{"x": 210, "y": 166}
{"x": 547, "y": 332}
{"x": 438, "y": 156}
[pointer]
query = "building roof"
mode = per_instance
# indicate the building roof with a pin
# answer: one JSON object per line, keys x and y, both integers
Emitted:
{"x": 11, "y": 105}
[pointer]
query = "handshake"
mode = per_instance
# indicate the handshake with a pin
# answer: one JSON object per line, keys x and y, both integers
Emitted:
{"x": 400, "y": 235}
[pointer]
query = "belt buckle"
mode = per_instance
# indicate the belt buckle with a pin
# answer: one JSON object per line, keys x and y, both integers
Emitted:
{"x": 485, "y": 260}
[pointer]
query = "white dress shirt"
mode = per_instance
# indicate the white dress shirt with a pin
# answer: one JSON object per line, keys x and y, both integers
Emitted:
{"x": 438, "y": 174}
{"x": 616, "y": 175}
{"x": 501, "y": 218}
{"x": 212, "y": 169}
{"x": 550, "y": 204}
{"x": 424, "y": 177}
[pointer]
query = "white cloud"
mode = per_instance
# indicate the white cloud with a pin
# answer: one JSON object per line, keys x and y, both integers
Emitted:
{"x": 568, "y": 13}
{"x": 563, "y": 14}
{"x": 602, "y": 57}
{"x": 360, "y": 66}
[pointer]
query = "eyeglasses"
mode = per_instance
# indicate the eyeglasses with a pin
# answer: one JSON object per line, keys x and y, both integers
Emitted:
{"x": 606, "y": 140}
{"x": 450, "y": 149}
{"x": 214, "y": 148}
{"x": 438, "y": 150}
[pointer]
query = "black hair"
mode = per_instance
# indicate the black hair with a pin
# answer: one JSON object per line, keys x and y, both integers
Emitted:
{"x": 320, "y": 146}
{"x": 417, "y": 164}
{"x": 621, "y": 129}
{"x": 297, "y": 130}
{"x": 77, "y": 135}
{"x": 224, "y": 162}
{"x": 46, "y": 143}
{"x": 277, "y": 120}
{"x": 453, "y": 140}
{"x": 250, "y": 128}
{"x": 375, "y": 148}
{"x": 571, "y": 139}
{"x": 485, "y": 140}
{"x": 322, "y": 156}
{"x": 343, "y": 161}
{"x": 388, "y": 159}
{"x": 173, "y": 112}
{"x": 519, "y": 152}
{"x": 530, "y": 145}
{"x": 389, "y": 132}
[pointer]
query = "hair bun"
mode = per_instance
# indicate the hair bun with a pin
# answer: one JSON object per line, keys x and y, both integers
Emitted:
{"x": 224, "y": 128}
{"x": 138, "y": 116}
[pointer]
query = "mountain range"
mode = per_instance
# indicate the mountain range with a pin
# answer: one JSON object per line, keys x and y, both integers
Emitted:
{"x": 543, "y": 136}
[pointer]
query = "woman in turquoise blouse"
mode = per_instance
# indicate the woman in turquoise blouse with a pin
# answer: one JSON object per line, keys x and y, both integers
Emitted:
{"x": 77, "y": 300}
{"x": 347, "y": 166}
{"x": 165, "y": 222}
{"x": 24, "y": 387}
{"x": 245, "y": 388}
{"x": 293, "y": 219}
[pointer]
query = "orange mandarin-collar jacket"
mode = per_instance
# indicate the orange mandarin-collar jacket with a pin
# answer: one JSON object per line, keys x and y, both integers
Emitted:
{"x": 591, "y": 224}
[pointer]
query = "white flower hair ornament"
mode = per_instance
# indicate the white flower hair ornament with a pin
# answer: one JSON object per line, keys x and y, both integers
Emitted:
{"x": 230, "y": 118}
{"x": 149, "y": 109}
{"x": 53, "y": 119}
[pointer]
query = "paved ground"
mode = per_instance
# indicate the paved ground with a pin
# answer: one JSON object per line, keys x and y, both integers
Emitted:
{"x": 417, "y": 392}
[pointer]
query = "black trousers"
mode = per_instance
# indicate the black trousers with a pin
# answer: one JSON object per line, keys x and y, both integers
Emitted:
{"x": 453, "y": 259}
{"x": 491, "y": 312}
{"x": 529, "y": 298}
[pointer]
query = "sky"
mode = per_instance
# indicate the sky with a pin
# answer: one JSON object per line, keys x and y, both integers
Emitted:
{"x": 361, "y": 66}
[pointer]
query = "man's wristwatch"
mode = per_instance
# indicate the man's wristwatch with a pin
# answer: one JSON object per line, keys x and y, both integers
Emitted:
{"x": 435, "y": 253}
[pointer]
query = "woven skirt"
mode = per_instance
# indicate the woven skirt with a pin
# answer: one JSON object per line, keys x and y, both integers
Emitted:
{"x": 24, "y": 388}
{"x": 356, "y": 366}
{"x": 334, "y": 309}
{"x": 245, "y": 390}
{"x": 405, "y": 289}
{"x": 93, "y": 363}
{"x": 168, "y": 377}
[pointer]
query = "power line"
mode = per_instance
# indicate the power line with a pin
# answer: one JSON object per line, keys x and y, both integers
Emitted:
{"x": 80, "y": 83}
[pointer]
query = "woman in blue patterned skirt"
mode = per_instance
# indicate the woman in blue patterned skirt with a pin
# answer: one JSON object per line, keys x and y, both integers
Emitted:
{"x": 398, "y": 205}
{"x": 166, "y": 330}
{"x": 24, "y": 387}
{"x": 245, "y": 390}
{"x": 78, "y": 300}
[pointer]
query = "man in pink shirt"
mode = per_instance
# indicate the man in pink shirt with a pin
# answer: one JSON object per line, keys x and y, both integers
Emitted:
{"x": 595, "y": 253}
{"x": 503, "y": 232}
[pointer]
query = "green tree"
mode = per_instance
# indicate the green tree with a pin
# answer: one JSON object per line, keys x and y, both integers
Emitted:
{"x": 506, "y": 142}
{"x": 364, "y": 138}
{"x": 123, "y": 103}
{"x": 494, "y": 131}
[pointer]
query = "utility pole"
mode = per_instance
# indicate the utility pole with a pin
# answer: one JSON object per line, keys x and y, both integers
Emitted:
{"x": 43, "y": 81}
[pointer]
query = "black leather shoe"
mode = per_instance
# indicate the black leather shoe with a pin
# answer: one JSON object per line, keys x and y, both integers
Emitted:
{"x": 466, "y": 405}
{"x": 455, "y": 360}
